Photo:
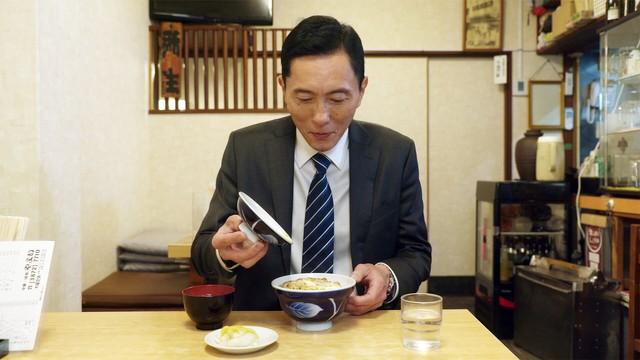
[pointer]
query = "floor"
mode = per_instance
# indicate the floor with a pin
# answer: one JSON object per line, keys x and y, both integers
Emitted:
{"x": 467, "y": 302}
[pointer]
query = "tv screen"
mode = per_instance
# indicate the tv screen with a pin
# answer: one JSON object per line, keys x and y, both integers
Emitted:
{"x": 246, "y": 12}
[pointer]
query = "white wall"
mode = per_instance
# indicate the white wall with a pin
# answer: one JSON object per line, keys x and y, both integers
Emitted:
{"x": 466, "y": 135}
{"x": 93, "y": 142}
{"x": 80, "y": 155}
{"x": 185, "y": 154}
{"x": 386, "y": 24}
{"x": 19, "y": 128}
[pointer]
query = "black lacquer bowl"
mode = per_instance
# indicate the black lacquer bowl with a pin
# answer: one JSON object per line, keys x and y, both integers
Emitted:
{"x": 208, "y": 305}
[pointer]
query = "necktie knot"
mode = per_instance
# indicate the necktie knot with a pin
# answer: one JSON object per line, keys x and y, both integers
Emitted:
{"x": 322, "y": 162}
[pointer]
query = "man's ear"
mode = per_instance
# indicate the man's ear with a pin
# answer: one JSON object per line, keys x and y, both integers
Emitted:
{"x": 282, "y": 84}
{"x": 363, "y": 87}
{"x": 281, "y": 81}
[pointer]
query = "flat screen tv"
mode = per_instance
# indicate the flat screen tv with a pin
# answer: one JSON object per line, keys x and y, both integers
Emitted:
{"x": 246, "y": 12}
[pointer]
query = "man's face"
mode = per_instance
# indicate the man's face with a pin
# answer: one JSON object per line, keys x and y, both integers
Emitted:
{"x": 322, "y": 94}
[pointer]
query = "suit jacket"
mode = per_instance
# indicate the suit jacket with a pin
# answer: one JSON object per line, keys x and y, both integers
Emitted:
{"x": 386, "y": 209}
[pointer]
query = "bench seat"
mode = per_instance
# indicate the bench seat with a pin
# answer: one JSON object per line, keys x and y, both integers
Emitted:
{"x": 135, "y": 291}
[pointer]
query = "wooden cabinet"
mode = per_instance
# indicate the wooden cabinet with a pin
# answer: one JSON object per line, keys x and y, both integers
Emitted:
{"x": 634, "y": 306}
{"x": 623, "y": 225}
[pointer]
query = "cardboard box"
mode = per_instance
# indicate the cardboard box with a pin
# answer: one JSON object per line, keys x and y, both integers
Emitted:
{"x": 583, "y": 5}
{"x": 584, "y": 12}
{"x": 599, "y": 7}
{"x": 581, "y": 17}
{"x": 561, "y": 17}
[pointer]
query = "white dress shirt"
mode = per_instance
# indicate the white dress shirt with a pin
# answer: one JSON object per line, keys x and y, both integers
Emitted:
{"x": 338, "y": 176}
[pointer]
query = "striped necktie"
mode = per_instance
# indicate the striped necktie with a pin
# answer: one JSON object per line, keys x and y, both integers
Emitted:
{"x": 317, "y": 245}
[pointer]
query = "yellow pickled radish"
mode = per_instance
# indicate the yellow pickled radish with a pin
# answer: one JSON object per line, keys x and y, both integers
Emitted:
{"x": 237, "y": 335}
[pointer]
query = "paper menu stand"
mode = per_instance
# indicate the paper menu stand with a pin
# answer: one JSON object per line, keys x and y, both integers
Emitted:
{"x": 23, "y": 280}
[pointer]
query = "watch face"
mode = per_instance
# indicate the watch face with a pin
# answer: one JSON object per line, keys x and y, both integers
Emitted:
{"x": 390, "y": 285}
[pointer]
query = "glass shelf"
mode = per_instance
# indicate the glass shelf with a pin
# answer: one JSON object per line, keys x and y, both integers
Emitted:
{"x": 633, "y": 79}
{"x": 535, "y": 233}
{"x": 625, "y": 131}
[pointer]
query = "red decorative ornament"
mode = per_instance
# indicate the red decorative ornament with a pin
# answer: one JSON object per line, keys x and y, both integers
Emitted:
{"x": 538, "y": 11}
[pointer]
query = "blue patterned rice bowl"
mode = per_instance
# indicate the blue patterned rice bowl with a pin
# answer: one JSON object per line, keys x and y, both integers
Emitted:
{"x": 313, "y": 310}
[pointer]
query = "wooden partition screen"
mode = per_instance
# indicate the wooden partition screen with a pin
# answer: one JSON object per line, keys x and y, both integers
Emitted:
{"x": 225, "y": 69}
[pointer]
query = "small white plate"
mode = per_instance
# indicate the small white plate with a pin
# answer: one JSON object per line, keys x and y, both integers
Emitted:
{"x": 266, "y": 337}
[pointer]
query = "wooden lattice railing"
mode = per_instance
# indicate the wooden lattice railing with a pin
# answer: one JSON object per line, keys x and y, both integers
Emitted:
{"x": 225, "y": 68}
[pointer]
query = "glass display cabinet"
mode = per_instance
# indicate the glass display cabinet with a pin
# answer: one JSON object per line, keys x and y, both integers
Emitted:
{"x": 620, "y": 80}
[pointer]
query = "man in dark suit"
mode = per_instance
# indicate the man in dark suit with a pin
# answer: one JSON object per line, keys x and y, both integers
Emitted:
{"x": 374, "y": 228}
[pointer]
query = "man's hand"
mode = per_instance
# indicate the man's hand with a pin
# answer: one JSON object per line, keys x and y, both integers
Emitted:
{"x": 232, "y": 244}
{"x": 375, "y": 279}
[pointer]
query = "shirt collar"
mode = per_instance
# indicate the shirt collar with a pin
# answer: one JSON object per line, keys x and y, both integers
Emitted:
{"x": 304, "y": 152}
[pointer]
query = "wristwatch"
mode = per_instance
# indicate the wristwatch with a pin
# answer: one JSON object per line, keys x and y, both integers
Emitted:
{"x": 391, "y": 286}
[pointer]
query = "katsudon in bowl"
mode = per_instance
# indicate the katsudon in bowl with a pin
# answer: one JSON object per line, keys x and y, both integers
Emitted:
{"x": 313, "y": 300}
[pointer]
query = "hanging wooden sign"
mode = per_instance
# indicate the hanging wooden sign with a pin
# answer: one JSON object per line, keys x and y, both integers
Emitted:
{"x": 170, "y": 62}
{"x": 483, "y": 25}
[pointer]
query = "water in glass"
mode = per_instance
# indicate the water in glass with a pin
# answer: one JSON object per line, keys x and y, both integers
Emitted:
{"x": 421, "y": 329}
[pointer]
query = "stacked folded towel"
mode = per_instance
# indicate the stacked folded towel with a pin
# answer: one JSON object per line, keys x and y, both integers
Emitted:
{"x": 147, "y": 251}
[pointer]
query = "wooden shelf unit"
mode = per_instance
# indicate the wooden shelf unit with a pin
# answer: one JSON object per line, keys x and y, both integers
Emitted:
{"x": 623, "y": 210}
{"x": 634, "y": 289}
{"x": 582, "y": 35}
{"x": 576, "y": 38}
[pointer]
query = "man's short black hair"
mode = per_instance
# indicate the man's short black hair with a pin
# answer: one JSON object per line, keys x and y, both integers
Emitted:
{"x": 322, "y": 35}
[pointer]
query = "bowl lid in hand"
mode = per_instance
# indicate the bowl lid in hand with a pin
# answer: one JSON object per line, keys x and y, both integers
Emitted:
{"x": 258, "y": 224}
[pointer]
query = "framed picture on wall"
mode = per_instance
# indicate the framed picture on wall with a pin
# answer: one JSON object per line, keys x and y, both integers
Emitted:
{"x": 483, "y": 25}
{"x": 546, "y": 104}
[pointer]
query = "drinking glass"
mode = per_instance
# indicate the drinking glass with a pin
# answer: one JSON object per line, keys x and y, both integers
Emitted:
{"x": 421, "y": 315}
{"x": 635, "y": 172}
{"x": 621, "y": 170}
{"x": 624, "y": 55}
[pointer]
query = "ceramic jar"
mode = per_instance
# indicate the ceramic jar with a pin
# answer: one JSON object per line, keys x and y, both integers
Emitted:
{"x": 526, "y": 149}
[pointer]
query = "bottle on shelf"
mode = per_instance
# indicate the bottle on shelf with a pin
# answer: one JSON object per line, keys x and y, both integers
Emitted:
{"x": 628, "y": 8}
{"x": 506, "y": 266}
{"x": 512, "y": 251}
{"x": 537, "y": 246}
{"x": 525, "y": 251}
{"x": 529, "y": 248}
{"x": 546, "y": 247}
{"x": 613, "y": 10}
